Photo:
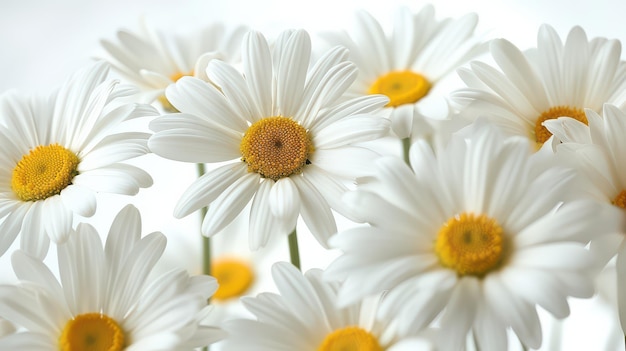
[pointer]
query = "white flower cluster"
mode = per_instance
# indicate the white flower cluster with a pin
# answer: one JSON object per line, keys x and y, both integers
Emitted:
{"x": 473, "y": 209}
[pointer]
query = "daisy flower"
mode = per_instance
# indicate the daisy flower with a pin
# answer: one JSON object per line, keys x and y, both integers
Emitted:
{"x": 153, "y": 59}
{"x": 408, "y": 63}
{"x": 474, "y": 238}
{"x": 303, "y": 316}
{"x": 597, "y": 151}
{"x": 104, "y": 299}
{"x": 553, "y": 80}
{"x": 58, "y": 152}
{"x": 286, "y": 143}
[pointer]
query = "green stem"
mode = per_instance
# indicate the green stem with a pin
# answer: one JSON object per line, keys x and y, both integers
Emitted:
{"x": 406, "y": 145}
{"x": 294, "y": 251}
{"x": 206, "y": 242}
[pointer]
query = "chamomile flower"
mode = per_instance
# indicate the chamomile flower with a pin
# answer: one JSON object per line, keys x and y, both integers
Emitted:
{"x": 408, "y": 63}
{"x": 153, "y": 58}
{"x": 286, "y": 143}
{"x": 475, "y": 237}
{"x": 597, "y": 151}
{"x": 554, "y": 80}
{"x": 58, "y": 152}
{"x": 104, "y": 298}
{"x": 303, "y": 316}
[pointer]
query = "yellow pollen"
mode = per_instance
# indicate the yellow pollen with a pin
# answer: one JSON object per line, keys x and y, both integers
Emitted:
{"x": 44, "y": 172}
{"x": 91, "y": 332}
{"x": 233, "y": 276}
{"x": 350, "y": 339}
{"x": 276, "y": 147}
{"x": 470, "y": 244}
{"x": 167, "y": 106}
{"x": 401, "y": 87}
{"x": 542, "y": 134}
{"x": 620, "y": 199}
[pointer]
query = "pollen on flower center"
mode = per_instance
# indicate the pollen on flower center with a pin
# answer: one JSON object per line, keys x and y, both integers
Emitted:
{"x": 470, "y": 244}
{"x": 401, "y": 87}
{"x": 542, "y": 134}
{"x": 91, "y": 332}
{"x": 276, "y": 147}
{"x": 620, "y": 200}
{"x": 44, "y": 172}
{"x": 234, "y": 278}
{"x": 350, "y": 339}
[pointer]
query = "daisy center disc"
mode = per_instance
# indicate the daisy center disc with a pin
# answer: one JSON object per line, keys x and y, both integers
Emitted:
{"x": 401, "y": 87}
{"x": 276, "y": 147}
{"x": 44, "y": 172}
{"x": 167, "y": 106}
{"x": 620, "y": 199}
{"x": 233, "y": 276}
{"x": 542, "y": 134}
{"x": 350, "y": 339}
{"x": 92, "y": 332}
{"x": 470, "y": 244}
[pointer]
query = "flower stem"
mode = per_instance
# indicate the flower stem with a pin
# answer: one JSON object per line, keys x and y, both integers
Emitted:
{"x": 294, "y": 251}
{"x": 206, "y": 242}
{"x": 406, "y": 146}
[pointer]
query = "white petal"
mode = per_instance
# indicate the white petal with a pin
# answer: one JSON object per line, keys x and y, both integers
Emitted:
{"x": 315, "y": 211}
{"x": 123, "y": 289}
{"x": 34, "y": 240}
{"x": 81, "y": 260}
{"x": 208, "y": 187}
{"x": 291, "y": 72}
{"x": 263, "y": 224}
{"x": 350, "y": 130}
{"x": 79, "y": 199}
{"x": 230, "y": 203}
{"x": 284, "y": 199}
{"x": 257, "y": 68}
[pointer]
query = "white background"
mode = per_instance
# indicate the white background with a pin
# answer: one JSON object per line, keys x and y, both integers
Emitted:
{"x": 42, "y": 42}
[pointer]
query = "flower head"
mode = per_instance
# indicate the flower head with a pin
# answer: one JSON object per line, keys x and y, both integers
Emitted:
{"x": 104, "y": 299}
{"x": 154, "y": 59}
{"x": 303, "y": 316}
{"x": 554, "y": 80}
{"x": 58, "y": 152}
{"x": 287, "y": 142}
{"x": 407, "y": 64}
{"x": 597, "y": 151}
{"x": 477, "y": 234}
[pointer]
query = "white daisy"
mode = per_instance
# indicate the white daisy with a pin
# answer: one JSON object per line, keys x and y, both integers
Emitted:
{"x": 408, "y": 63}
{"x": 286, "y": 141}
{"x": 304, "y": 317}
{"x": 553, "y": 80}
{"x": 154, "y": 59}
{"x": 475, "y": 237}
{"x": 104, "y": 299}
{"x": 58, "y": 152}
{"x": 597, "y": 151}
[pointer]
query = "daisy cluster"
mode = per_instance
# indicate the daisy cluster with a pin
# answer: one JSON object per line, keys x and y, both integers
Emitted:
{"x": 463, "y": 216}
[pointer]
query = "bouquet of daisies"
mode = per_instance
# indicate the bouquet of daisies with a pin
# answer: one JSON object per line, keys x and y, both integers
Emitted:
{"x": 457, "y": 216}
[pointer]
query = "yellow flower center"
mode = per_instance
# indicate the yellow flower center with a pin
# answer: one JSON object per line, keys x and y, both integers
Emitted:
{"x": 44, "y": 172}
{"x": 276, "y": 147}
{"x": 92, "y": 332}
{"x": 350, "y": 339}
{"x": 167, "y": 106}
{"x": 542, "y": 134}
{"x": 470, "y": 244}
{"x": 233, "y": 276}
{"x": 620, "y": 199}
{"x": 401, "y": 87}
